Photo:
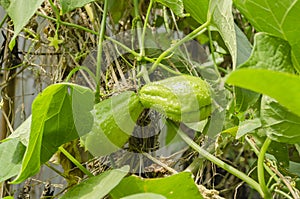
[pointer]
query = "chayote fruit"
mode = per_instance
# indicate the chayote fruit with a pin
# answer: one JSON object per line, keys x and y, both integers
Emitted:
{"x": 181, "y": 98}
{"x": 114, "y": 121}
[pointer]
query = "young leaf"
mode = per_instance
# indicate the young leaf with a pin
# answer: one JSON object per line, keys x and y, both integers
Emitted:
{"x": 180, "y": 185}
{"x": 69, "y": 5}
{"x": 175, "y": 5}
{"x": 97, "y": 186}
{"x": 220, "y": 12}
{"x": 272, "y": 83}
{"x": 279, "y": 124}
{"x": 53, "y": 124}
{"x": 11, "y": 155}
{"x": 20, "y": 12}
{"x": 114, "y": 121}
{"x": 276, "y": 18}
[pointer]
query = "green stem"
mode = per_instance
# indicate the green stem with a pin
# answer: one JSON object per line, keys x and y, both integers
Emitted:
{"x": 138, "y": 25}
{"x": 142, "y": 53}
{"x": 74, "y": 70}
{"x": 68, "y": 24}
{"x": 219, "y": 162}
{"x": 190, "y": 36}
{"x": 56, "y": 11}
{"x": 260, "y": 168}
{"x": 74, "y": 161}
{"x": 3, "y": 20}
{"x": 265, "y": 166}
{"x": 212, "y": 50}
{"x": 99, "y": 52}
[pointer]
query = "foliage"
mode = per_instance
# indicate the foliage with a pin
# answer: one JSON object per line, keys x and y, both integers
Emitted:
{"x": 253, "y": 97}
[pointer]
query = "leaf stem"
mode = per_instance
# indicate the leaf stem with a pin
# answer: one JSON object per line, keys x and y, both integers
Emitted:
{"x": 260, "y": 168}
{"x": 219, "y": 162}
{"x": 190, "y": 36}
{"x": 99, "y": 52}
{"x": 74, "y": 161}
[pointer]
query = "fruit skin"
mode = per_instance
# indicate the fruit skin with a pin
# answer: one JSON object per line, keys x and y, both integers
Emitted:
{"x": 114, "y": 121}
{"x": 181, "y": 98}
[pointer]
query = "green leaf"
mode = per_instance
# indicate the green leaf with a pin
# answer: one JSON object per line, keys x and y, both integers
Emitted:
{"x": 82, "y": 104}
{"x": 20, "y": 12}
{"x": 220, "y": 12}
{"x": 198, "y": 9}
{"x": 279, "y": 124}
{"x": 53, "y": 124}
{"x": 247, "y": 127}
{"x": 69, "y": 5}
{"x": 294, "y": 168}
{"x": 22, "y": 132}
{"x": 145, "y": 196}
{"x": 270, "y": 83}
{"x": 176, "y": 186}
{"x": 281, "y": 153}
{"x": 8, "y": 197}
{"x": 277, "y": 18}
{"x": 114, "y": 121}
{"x": 244, "y": 99}
{"x": 271, "y": 53}
{"x": 244, "y": 47}
{"x": 175, "y": 5}
{"x": 97, "y": 186}
{"x": 11, "y": 155}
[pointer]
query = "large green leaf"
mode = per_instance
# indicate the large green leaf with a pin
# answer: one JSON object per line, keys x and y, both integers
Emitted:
{"x": 177, "y": 186}
{"x": 175, "y": 5}
{"x": 284, "y": 87}
{"x": 269, "y": 52}
{"x": 11, "y": 155}
{"x": 114, "y": 121}
{"x": 277, "y": 18}
{"x": 69, "y": 5}
{"x": 220, "y": 12}
{"x": 279, "y": 124}
{"x": 197, "y": 8}
{"x": 20, "y": 12}
{"x": 97, "y": 186}
{"x": 53, "y": 124}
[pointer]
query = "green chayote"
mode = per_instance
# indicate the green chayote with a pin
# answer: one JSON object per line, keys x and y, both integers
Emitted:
{"x": 181, "y": 98}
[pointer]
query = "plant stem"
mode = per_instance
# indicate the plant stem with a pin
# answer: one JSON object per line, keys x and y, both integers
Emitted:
{"x": 142, "y": 53}
{"x": 68, "y": 24}
{"x": 3, "y": 20}
{"x": 138, "y": 25}
{"x": 212, "y": 49}
{"x": 190, "y": 36}
{"x": 252, "y": 145}
{"x": 219, "y": 162}
{"x": 77, "y": 68}
{"x": 260, "y": 168}
{"x": 74, "y": 161}
{"x": 99, "y": 52}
